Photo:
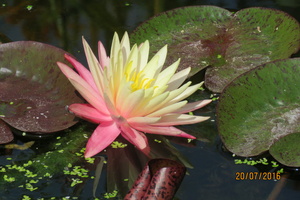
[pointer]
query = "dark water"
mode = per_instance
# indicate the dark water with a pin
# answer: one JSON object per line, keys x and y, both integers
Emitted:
{"x": 63, "y": 23}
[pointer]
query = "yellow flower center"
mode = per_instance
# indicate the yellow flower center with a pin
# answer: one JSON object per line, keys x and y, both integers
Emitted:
{"x": 139, "y": 82}
{"x": 138, "y": 79}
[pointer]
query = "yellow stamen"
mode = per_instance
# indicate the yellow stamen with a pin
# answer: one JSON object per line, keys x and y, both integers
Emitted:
{"x": 137, "y": 79}
{"x": 141, "y": 84}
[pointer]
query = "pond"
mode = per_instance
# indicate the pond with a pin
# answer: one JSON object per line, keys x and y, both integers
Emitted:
{"x": 55, "y": 163}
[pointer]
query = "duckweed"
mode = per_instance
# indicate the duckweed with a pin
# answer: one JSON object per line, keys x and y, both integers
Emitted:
{"x": 62, "y": 158}
{"x": 214, "y": 97}
{"x": 263, "y": 161}
{"x": 30, "y": 187}
{"x": 25, "y": 197}
{"x": 274, "y": 164}
{"x": 201, "y": 88}
{"x": 75, "y": 181}
{"x": 117, "y": 144}
{"x": 64, "y": 152}
{"x": 189, "y": 140}
{"x": 110, "y": 195}
{"x": 280, "y": 171}
{"x": 29, "y": 7}
{"x": 9, "y": 179}
{"x": 90, "y": 160}
{"x": 156, "y": 140}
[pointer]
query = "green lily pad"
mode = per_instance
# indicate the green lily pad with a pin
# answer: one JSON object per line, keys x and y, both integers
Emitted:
{"x": 260, "y": 107}
{"x": 286, "y": 150}
{"x": 34, "y": 92}
{"x": 229, "y": 43}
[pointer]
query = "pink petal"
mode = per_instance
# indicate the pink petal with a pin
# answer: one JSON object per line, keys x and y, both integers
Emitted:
{"x": 170, "y": 131}
{"x": 103, "y": 136}
{"x": 88, "y": 112}
{"x": 103, "y": 58}
{"x": 193, "y": 106}
{"x": 136, "y": 138}
{"x": 86, "y": 91}
{"x": 110, "y": 106}
{"x": 83, "y": 72}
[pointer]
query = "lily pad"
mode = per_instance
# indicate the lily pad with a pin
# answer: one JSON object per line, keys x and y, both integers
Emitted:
{"x": 286, "y": 150}
{"x": 159, "y": 179}
{"x": 6, "y": 134}
{"x": 34, "y": 92}
{"x": 260, "y": 107}
{"x": 228, "y": 43}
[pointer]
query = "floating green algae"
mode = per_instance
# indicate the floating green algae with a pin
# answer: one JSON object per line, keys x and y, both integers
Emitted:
{"x": 61, "y": 158}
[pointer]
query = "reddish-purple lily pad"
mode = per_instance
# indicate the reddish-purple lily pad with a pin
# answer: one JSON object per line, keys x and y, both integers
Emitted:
{"x": 34, "y": 92}
{"x": 228, "y": 43}
{"x": 6, "y": 134}
{"x": 159, "y": 180}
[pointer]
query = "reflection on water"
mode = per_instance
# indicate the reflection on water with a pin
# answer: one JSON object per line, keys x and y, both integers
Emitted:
{"x": 62, "y": 23}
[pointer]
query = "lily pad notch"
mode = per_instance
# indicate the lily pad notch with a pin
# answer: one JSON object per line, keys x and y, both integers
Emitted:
{"x": 226, "y": 43}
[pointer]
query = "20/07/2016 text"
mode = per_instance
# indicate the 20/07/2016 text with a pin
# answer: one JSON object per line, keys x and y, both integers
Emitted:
{"x": 239, "y": 176}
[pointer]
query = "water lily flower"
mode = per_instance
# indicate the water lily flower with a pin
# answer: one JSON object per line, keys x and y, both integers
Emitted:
{"x": 129, "y": 95}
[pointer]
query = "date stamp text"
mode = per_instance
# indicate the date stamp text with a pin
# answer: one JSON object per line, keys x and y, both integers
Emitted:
{"x": 239, "y": 176}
